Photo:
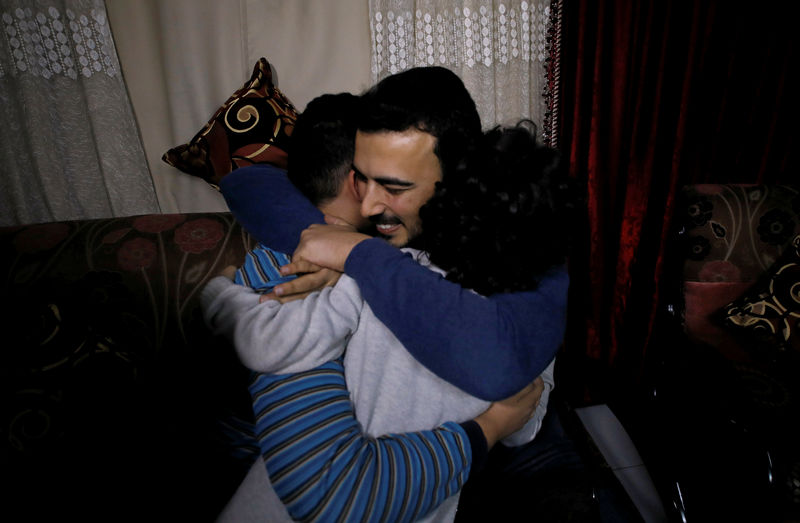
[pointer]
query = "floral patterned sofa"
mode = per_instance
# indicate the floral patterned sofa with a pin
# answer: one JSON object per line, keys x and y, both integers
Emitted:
{"x": 116, "y": 400}
{"x": 114, "y": 393}
{"x": 723, "y": 412}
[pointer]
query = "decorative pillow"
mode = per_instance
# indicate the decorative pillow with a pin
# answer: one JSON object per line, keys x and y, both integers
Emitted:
{"x": 732, "y": 234}
{"x": 252, "y": 126}
{"x": 770, "y": 311}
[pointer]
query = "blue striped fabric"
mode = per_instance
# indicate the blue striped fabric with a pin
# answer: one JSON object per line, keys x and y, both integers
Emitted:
{"x": 260, "y": 270}
{"x": 324, "y": 469}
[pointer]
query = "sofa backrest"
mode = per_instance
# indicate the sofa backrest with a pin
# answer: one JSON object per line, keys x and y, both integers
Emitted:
{"x": 107, "y": 367}
{"x": 731, "y": 235}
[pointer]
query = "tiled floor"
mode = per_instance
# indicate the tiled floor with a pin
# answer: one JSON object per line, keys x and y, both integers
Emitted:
{"x": 623, "y": 458}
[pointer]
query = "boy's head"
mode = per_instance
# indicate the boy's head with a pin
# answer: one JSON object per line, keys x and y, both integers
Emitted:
{"x": 412, "y": 127}
{"x": 321, "y": 155}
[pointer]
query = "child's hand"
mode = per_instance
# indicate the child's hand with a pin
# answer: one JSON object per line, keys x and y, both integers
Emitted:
{"x": 310, "y": 278}
{"x": 229, "y": 272}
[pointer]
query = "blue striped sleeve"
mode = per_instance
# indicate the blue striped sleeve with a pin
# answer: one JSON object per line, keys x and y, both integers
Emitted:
{"x": 261, "y": 269}
{"x": 324, "y": 468}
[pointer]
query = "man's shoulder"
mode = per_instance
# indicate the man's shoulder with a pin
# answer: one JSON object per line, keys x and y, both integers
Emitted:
{"x": 423, "y": 259}
{"x": 415, "y": 253}
{"x": 250, "y": 174}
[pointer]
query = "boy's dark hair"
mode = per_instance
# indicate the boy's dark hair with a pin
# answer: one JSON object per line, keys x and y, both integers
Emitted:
{"x": 322, "y": 146}
{"x": 431, "y": 99}
{"x": 504, "y": 217}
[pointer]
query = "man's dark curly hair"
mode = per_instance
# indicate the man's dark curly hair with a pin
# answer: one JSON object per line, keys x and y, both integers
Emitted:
{"x": 504, "y": 216}
{"x": 431, "y": 99}
{"x": 322, "y": 146}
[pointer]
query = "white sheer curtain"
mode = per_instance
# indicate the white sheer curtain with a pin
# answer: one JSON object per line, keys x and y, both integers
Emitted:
{"x": 183, "y": 58}
{"x": 499, "y": 49}
{"x": 70, "y": 147}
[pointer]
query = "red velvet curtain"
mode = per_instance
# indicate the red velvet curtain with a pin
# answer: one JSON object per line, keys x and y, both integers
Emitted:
{"x": 655, "y": 95}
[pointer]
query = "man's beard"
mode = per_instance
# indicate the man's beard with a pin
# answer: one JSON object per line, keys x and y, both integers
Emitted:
{"x": 384, "y": 219}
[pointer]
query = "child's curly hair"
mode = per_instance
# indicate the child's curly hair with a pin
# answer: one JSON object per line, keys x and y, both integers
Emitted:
{"x": 503, "y": 216}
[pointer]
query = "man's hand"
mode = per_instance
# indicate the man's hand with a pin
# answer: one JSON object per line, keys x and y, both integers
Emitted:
{"x": 507, "y": 416}
{"x": 328, "y": 245}
{"x": 310, "y": 278}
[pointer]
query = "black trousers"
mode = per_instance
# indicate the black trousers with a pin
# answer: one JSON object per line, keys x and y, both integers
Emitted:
{"x": 546, "y": 480}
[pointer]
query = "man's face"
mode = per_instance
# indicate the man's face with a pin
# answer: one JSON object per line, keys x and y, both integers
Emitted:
{"x": 395, "y": 174}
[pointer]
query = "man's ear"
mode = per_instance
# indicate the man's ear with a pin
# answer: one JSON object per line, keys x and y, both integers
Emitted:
{"x": 352, "y": 186}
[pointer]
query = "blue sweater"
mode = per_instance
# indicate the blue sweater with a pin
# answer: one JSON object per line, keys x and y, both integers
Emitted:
{"x": 490, "y": 347}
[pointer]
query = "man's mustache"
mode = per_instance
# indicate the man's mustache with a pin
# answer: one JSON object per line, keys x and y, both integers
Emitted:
{"x": 383, "y": 219}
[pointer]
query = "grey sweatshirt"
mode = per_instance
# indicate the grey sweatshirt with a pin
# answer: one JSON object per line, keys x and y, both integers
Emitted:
{"x": 391, "y": 391}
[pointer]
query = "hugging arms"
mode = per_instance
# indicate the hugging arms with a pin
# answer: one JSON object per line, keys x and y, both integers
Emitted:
{"x": 334, "y": 466}
{"x": 490, "y": 347}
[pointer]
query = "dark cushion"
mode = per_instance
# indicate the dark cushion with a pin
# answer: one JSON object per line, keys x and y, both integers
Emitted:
{"x": 769, "y": 313}
{"x": 253, "y": 126}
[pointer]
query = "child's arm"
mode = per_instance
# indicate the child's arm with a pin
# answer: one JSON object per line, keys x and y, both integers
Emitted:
{"x": 274, "y": 338}
{"x": 510, "y": 338}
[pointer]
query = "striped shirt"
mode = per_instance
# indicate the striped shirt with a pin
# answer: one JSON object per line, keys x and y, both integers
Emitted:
{"x": 261, "y": 269}
{"x": 321, "y": 464}
{"x": 323, "y": 467}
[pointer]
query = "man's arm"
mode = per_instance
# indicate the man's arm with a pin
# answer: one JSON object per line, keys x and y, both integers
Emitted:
{"x": 320, "y": 462}
{"x": 268, "y": 206}
{"x": 487, "y": 346}
{"x": 516, "y": 336}
{"x": 322, "y": 465}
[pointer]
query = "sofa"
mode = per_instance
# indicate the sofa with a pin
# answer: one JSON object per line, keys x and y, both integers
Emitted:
{"x": 719, "y": 425}
{"x": 117, "y": 402}
{"x": 115, "y": 394}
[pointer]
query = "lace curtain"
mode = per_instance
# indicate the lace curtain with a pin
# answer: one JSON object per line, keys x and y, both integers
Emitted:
{"x": 70, "y": 148}
{"x": 500, "y": 49}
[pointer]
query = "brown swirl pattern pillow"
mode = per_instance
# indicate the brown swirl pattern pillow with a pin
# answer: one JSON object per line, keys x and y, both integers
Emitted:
{"x": 252, "y": 126}
{"x": 770, "y": 311}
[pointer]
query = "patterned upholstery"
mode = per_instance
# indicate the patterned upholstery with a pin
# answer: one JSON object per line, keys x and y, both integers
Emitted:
{"x": 741, "y": 283}
{"x": 732, "y": 235}
{"x": 110, "y": 373}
